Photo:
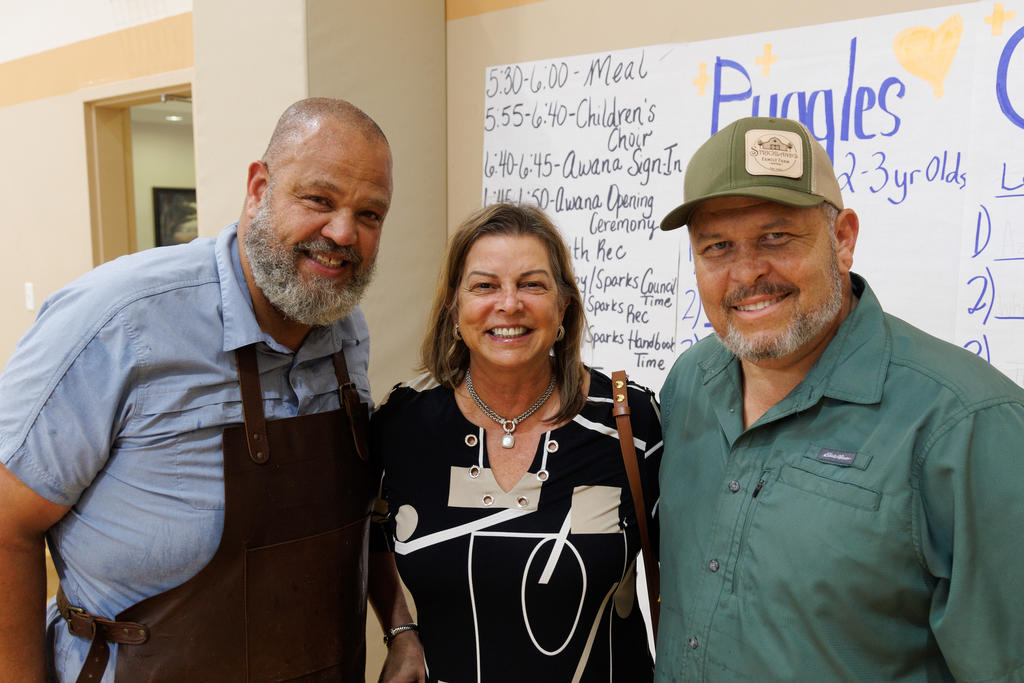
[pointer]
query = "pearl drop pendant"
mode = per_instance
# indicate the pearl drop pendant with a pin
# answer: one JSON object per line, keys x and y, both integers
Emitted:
{"x": 508, "y": 441}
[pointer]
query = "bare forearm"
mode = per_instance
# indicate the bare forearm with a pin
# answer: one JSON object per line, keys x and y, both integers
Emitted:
{"x": 23, "y": 585}
{"x": 404, "y": 663}
{"x": 386, "y": 594}
{"x": 24, "y": 519}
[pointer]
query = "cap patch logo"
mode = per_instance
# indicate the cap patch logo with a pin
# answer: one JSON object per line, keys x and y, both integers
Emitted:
{"x": 774, "y": 152}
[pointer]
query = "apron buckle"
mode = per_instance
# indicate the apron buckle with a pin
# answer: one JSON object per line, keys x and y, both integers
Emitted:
{"x": 75, "y": 611}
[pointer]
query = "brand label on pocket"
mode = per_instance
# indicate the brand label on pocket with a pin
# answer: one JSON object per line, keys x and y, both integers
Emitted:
{"x": 844, "y": 458}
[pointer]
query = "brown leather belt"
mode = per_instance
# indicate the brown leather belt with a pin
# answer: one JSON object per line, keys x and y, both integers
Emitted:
{"x": 100, "y": 631}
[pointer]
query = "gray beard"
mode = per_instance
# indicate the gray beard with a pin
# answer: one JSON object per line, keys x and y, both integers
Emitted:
{"x": 807, "y": 326}
{"x": 318, "y": 301}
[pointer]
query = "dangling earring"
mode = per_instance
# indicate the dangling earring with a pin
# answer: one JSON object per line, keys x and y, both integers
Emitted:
{"x": 456, "y": 334}
{"x": 561, "y": 334}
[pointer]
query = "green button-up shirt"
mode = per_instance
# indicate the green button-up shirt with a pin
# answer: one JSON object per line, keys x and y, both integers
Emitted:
{"x": 869, "y": 526}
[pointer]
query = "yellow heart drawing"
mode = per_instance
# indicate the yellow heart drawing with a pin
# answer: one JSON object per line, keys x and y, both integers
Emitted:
{"x": 929, "y": 53}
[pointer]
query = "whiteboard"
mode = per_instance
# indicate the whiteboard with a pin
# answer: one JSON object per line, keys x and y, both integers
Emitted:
{"x": 922, "y": 113}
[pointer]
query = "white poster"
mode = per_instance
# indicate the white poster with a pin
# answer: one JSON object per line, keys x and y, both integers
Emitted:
{"x": 990, "y": 307}
{"x": 922, "y": 114}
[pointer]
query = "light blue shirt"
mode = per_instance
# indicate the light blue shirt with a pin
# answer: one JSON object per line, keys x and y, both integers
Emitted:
{"x": 114, "y": 402}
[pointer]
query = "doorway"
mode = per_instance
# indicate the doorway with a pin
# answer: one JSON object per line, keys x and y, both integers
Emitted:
{"x": 122, "y": 222}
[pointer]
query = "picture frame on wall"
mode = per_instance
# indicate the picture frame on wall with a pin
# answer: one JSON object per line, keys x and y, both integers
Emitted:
{"x": 174, "y": 215}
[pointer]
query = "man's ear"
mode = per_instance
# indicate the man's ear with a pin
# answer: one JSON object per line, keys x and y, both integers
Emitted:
{"x": 255, "y": 186}
{"x": 847, "y": 227}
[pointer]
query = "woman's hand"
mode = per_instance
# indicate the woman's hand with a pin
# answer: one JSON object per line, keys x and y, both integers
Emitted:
{"x": 404, "y": 663}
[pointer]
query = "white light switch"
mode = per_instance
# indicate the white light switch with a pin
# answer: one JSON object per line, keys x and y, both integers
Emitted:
{"x": 30, "y": 296}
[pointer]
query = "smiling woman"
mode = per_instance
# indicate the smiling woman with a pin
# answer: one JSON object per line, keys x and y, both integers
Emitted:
{"x": 504, "y": 458}
{"x": 449, "y": 361}
{"x": 509, "y": 306}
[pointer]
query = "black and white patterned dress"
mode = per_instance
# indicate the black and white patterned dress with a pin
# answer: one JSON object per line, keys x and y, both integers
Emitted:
{"x": 537, "y": 584}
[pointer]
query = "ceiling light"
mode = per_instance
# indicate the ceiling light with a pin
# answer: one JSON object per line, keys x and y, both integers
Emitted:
{"x": 174, "y": 117}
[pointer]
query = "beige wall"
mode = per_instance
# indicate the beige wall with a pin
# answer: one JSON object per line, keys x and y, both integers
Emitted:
{"x": 397, "y": 76}
{"x": 45, "y": 237}
{"x": 247, "y": 72}
{"x": 28, "y": 28}
{"x": 555, "y": 28}
{"x": 45, "y": 234}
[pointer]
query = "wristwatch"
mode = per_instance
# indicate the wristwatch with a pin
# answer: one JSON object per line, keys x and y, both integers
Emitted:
{"x": 390, "y": 633}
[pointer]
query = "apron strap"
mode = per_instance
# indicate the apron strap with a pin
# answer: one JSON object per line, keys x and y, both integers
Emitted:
{"x": 252, "y": 405}
{"x": 348, "y": 396}
{"x": 256, "y": 421}
{"x": 100, "y": 631}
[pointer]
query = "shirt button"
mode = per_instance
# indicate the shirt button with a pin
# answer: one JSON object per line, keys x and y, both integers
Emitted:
{"x": 734, "y": 486}
{"x": 692, "y": 642}
{"x": 713, "y": 565}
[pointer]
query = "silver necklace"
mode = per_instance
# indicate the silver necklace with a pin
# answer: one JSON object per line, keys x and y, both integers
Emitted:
{"x": 508, "y": 441}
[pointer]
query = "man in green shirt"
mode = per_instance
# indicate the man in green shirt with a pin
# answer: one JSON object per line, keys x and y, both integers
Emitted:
{"x": 841, "y": 492}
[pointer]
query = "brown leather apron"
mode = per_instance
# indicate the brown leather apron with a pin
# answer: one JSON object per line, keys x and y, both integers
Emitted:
{"x": 284, "y": 596}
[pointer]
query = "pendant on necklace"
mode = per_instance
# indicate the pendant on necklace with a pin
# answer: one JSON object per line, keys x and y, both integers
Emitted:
{"x": 509, "y": 425}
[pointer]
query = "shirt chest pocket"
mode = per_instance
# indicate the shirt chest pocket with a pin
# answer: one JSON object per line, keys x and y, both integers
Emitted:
{"x": 171, "y": 415}
{"x": 173, "y": 443}
{"x": 838, "y": 475}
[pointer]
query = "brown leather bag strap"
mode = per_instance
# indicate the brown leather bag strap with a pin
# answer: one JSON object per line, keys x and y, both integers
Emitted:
{"x": 348, "y": 396}
{"x": 620, "y": 409}
{"x": 252, "y": 405}
{"x": 100, "y": 631}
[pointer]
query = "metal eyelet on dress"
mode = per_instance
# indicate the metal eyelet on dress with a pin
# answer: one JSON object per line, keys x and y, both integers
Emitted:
{"x": 542, "y": 475}
{"x": 488, "y": 499}
{"x": 471, "y": 440}
{"x": 552, "y": 446}
{"x": 522, "y": 501}
{"x": 474, "y": 471}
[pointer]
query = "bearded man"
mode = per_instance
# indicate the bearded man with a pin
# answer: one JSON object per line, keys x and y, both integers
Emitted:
{"x": 840, "y": 490}
{"x": 186, "y": 427}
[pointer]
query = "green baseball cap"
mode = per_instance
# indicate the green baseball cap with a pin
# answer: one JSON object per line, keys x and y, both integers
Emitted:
{"x": 768, "y": 158}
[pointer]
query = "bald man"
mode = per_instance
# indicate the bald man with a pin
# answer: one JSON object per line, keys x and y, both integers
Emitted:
{"x": 186, "y": 428}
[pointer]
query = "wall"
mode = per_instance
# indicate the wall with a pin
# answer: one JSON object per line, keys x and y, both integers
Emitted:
{"x": 29, "y": 28}
{"x": 163, "y": 156}
{"x": 554, "y": 28}
{"x": 45, "y": 232}
{"x": 250, "y": 65}
{"x": 398, "y": 78}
